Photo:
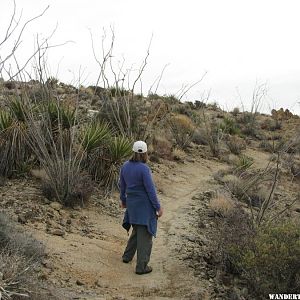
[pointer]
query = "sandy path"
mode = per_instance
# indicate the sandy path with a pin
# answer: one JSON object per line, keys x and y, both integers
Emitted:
{"x": 96, "y": 262}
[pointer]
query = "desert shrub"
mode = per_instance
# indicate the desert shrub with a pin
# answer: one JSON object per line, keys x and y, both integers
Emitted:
{"x": 14, "y": 150}
{"x": 235, "y": 111}
{"x": 53, "y": 139}
{"x": 270, "y": 259}
{"x": 107, "y": 159}
{"x": 248, "y": 123}
{"x": 271, "y": 124}
{"x": 213, "y": 106}
{"x": 222, "y": 204}
{"x": 229, "y": 126}
{"x": 178, "y": 154}
{"x": 69, "y": 188}
{"x": 94, "y": 135}
{"x": 200, "y": 104}
{"x": 243, "y": 163}
{"x": 272, "y": 146}
{"x": 213, "y": 136}
{"x": 234, "y": 230}
{"x": 199, "y": 137}
{"x": 235, "y": 186}
{"x": 162, "y": 147}
{"x": 59, "y": 116}
{"x": 182, "y": 129}
{"x": 235, "y": 144}
{"x": 183, "y": 109}
{"x": 19, "y": 256}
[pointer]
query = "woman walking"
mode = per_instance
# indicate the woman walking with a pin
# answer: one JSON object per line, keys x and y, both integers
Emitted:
{"x": 138, "y": 196}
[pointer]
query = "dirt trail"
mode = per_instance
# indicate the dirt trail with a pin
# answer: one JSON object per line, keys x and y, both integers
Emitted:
{"x": 95, "y": 263}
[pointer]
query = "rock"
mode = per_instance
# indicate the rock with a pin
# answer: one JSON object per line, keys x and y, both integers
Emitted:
{"x": 55, "y": 205}
{"x": 79, "y": 282}
{"x": 58, "y": 232}
{"x": 22, "y": 219}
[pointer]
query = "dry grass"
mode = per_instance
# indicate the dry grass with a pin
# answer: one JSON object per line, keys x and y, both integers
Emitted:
{"x": 178, "y": 154}
{"x": 222, "y": 204}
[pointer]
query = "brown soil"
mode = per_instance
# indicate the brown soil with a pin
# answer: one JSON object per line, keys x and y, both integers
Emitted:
{"x": 88, "y": 266}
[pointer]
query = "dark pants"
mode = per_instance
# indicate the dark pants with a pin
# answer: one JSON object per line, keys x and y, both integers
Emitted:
{"x": 141, "y": 242}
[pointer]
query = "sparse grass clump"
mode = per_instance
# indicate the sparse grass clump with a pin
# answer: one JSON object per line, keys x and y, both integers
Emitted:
{"x": 222, "y": 204}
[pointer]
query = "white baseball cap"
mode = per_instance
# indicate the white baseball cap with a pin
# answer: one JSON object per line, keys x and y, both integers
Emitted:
{"x": 139, "y": 147}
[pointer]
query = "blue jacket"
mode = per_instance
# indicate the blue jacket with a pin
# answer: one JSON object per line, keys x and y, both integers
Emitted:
{"x": 138, "y": 193}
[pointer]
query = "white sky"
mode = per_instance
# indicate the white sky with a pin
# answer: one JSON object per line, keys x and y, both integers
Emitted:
{"x": 238, "y": 42}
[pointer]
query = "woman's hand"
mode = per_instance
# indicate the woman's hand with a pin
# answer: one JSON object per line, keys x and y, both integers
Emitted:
{"x": 159, "y": 213}
{"x": 123, "y": 205}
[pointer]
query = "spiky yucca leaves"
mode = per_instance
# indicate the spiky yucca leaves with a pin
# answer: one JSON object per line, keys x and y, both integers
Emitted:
{"x": 14, "y": 150}
{"x": 60, "y": 115}
{"x": 103, "y": 162}
{"x": 94, "y": 135}
{"x": 118, "y": 149}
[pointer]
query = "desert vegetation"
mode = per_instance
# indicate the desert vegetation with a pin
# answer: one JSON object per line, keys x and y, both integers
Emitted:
{"x": 69, "y": 142}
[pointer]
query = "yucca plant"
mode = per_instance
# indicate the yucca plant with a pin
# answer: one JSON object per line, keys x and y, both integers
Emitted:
{"x": 59, "y": 154}
{"x": 94, "y": 135}
{"x": 14, "y": 150}
{"x": 118, "y": 149}
{"x": 104, "y": 162}
{"x": 60, "y": 115}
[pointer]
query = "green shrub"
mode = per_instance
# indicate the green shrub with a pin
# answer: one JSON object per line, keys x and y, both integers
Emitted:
{"x": 229, "y": 126}
{"x": 244, "y": 162}
{"x": 271, "y": 260}
{"x": 14, "y": 150}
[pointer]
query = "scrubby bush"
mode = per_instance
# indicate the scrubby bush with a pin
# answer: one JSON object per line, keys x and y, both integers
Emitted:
{"x": 199, "y": 137}
{"x": 235, "y": 111}
{"x": 14, "y": 150}
{"x": 270, "y": 259}
{"x": 222, "y": 204}
{"x": 213, "y": 136}
{"x": 178, "y": 154}
{"x": 273, "y": 146}
{"x": 229, "y": 126}
{"x": 235, "y": 144}
{"x": 20, "y": 254}
{"x": 162, "y": 147}
{"x": 271, "y": 124}
{"x": 182, "y": 129}
{"x": 244, "y": 162}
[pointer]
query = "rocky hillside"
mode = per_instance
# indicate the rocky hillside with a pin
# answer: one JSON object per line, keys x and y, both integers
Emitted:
{"x": 222, "y": 178}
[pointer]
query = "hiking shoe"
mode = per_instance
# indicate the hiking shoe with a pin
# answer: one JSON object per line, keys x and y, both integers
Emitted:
{"x": 147, "y": 270}
{"x": 126, "y": 261}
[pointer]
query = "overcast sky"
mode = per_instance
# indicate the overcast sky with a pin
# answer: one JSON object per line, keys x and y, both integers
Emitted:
{"x": 238, "y": 43}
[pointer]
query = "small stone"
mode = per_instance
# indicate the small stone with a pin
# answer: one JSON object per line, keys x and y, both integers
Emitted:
{"x": 58, "y": 232}
{"x": 55, "y": 205}
{"x": 22, "y": 219}
{"x": 79, "y": 282}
